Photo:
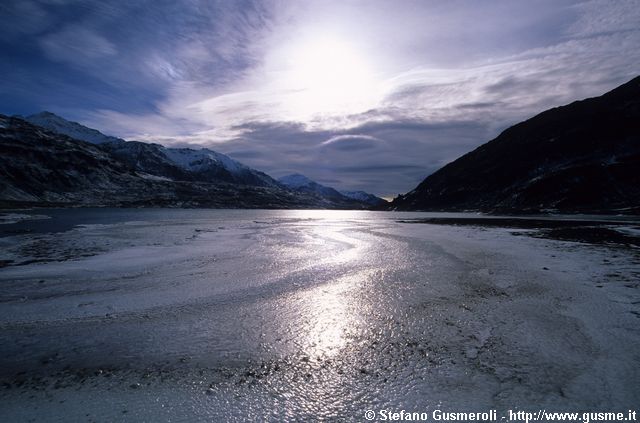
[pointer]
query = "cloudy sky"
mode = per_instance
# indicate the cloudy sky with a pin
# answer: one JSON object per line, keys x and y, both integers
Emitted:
{"x": 371, "y": 95}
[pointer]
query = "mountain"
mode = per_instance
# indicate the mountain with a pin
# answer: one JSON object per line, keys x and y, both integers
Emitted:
{"x": 44, "y": 168}
{"x": 183, "y": 164}
{"x": 187, "y": 164}
{"x": 364, "y": 197}
{"x": 60, "y": 125}
{"x": 582, "y": 157}
{"x": 301, "y": 183}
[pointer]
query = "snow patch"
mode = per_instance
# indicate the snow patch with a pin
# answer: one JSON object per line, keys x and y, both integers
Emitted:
{"x": 296, "y": 181}
{"x": 154, "y": 177}
{"x": 198, "y": 160}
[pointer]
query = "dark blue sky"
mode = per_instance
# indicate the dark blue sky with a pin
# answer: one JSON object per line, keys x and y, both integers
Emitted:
{"x": 371, "y": 95}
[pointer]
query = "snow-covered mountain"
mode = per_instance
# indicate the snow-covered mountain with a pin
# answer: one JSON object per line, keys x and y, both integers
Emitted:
{"x": 365, "y": 197}
{"x": 199, "y": 160}
{"x": 187, "y": 164}
{"x": 183, "y": 164}
{"x": 296, "y": 180}
{"x": 59, "y": 125}
{"x": 301, "y": 183}
{"x": 207, "y": 164}
{"x": 66, "y": 162}
{"x": 39, "y": 167}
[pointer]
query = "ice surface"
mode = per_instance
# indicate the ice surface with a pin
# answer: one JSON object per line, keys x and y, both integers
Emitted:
{"x": 11, "y": 218}
{"x": 222, "y": 315}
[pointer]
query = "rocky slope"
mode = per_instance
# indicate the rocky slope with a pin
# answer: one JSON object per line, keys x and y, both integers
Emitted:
{"x": 582, "y": 157}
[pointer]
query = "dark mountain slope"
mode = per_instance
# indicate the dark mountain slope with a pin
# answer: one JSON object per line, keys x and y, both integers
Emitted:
{"x": 38, "y": 165}
{"x": 582, "y": 157}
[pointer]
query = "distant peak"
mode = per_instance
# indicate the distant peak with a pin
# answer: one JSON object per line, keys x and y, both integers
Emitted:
{"x": 46, "y": 116}
{"x": 296, "y": 176}
{"x": 60, "y": 125}
{"x": 45, "y": 113}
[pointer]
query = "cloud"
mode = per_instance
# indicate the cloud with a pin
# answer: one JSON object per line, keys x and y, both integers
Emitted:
{"x": 352, "y": 142}
{"x": 77, "y": 45}
{"x": 144, "y": 51}
{"x": 22, "y": 18}
{"x": 380, "y": 157}
{"x": 501, "y": 89}
{"x": 446, "y": 76}
{"x": 598, "y": 17}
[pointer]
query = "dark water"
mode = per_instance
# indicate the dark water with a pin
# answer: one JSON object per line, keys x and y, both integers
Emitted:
{"x": 64, "y": 219}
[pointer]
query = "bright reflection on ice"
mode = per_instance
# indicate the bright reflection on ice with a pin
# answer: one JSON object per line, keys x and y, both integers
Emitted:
{"x": 328, "y": 322}
{"x": 329, "y": 215}
{"x": 327, "y": 230}
{"x": 328, "y": 310}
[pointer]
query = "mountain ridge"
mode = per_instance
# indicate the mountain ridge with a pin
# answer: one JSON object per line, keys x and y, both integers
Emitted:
{"x": 184, "y": 164}
{"x": 302, "y": 183}
{"x": 60, "y": 125}
{"x": 581, "y": 157}
{"x": 45, "y": 168}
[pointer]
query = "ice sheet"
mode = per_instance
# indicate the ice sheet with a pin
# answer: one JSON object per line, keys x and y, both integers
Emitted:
{"x": 290, "y": 315}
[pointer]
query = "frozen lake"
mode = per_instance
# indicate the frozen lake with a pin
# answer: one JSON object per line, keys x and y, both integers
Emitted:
{"x": 223, "y": 315}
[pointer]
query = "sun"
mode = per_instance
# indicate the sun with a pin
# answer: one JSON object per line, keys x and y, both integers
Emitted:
{"x": 329, "y": 76}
